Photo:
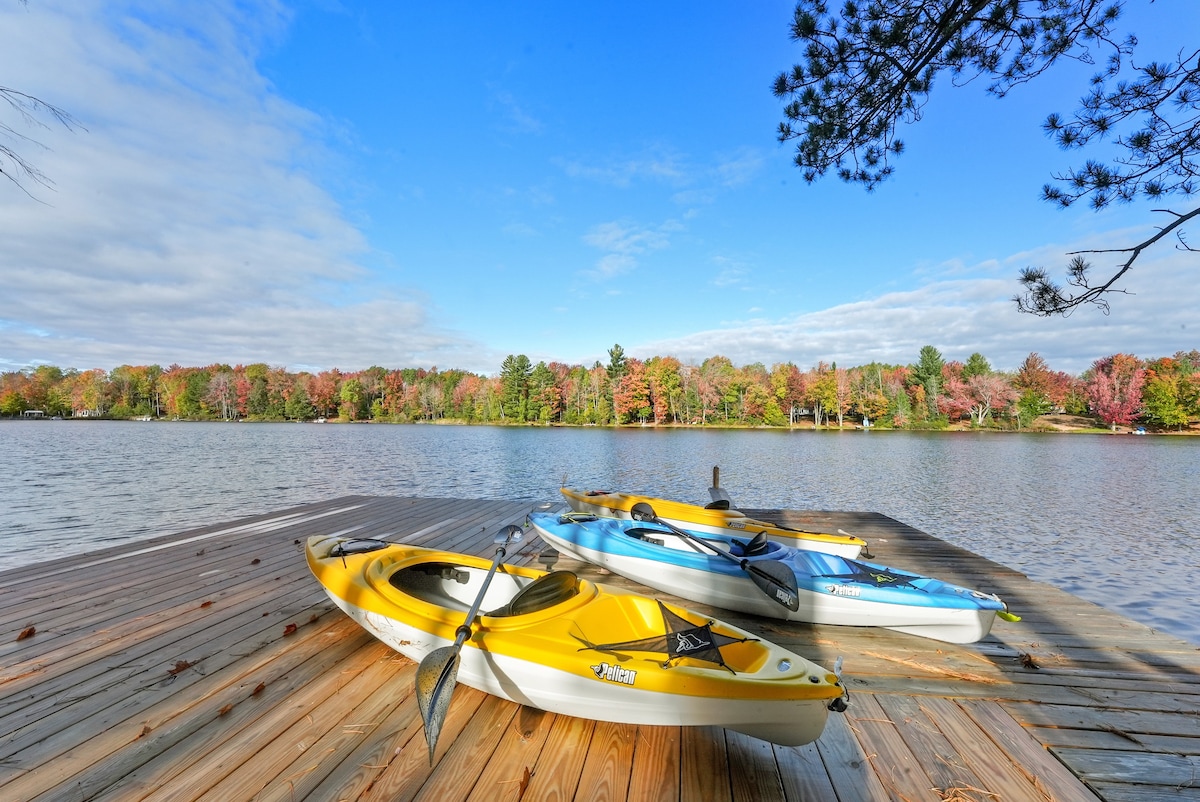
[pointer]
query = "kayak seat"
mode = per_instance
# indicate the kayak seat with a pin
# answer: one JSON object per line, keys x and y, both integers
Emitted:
{"x": 719, "y": 504}
{"x": 648, "y": 535}
{"x": 757, "y": 545}
{"x": 545, "y": 591}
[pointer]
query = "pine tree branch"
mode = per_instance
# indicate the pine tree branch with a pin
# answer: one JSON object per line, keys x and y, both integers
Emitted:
{"x": 1045, "y": 298}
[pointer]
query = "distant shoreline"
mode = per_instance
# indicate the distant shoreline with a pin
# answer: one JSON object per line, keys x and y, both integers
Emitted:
{"x": 1046, "y": 424}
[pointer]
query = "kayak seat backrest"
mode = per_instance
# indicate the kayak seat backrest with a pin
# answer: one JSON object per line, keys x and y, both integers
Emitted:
{"x": 545, "y": 591}
{"x": 756, "y": 545}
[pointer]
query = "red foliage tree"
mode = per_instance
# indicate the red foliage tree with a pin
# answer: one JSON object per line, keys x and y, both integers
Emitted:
{"x": 631, "y": 399}
{"x": 1115, "y": 389}
{"x": 989, "y": 392}
{"x": 956, "y": 400}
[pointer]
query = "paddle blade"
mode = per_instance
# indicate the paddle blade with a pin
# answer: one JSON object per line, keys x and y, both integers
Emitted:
{"x": 719, "y": 496}
{"x": 436, "y": 676}
{"x": 776, "y": 580}
{"x": 509, "y": 534}
{"x": 642, "y": 512}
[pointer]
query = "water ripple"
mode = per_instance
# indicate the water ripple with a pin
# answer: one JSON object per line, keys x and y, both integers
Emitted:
{"x": 1111, "y": 519}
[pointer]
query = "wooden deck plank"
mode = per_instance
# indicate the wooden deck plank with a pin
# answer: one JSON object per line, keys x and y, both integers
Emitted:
{"x": 847, "y": 766}
{"x": 141, "y": 643}
{"x": 315, "y": 764}
{"x": 506, "y": 776}
{"x": 355, "y": 775}
{"x": 458, "y": 771}
{"x": 275, "y": 731}
{"x": 555, "y": 778}
{"x": 1027, "y": 753}
{"x": 891, "y": 758}
{"x": 654, "y": 776}
{"x": 1124, "y": 792}
{"x": 90, "y": 707}
{"x": 1001, "y": 776}
{"x": 1127, "y": 766}
{"x": 268, "y": 751}
{"x": 606, "y": 770}
{"x": 1081, "y": 717}
{"x": 702, "y": 762}
{"x": 117, "y": 689}
{"x": 124, "y": 753}
{"x": 753, "y": 772}
{"x": 405, "y": 775}
{"x": 802, "y": 773}
{"x": 1112, "y": 738}
{"x": 118, "y": 606}
{"x": 936, "y": 754}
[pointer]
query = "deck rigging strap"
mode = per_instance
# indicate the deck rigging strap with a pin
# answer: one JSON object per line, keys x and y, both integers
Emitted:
{"x": 682, "y": 638}
{"x": 870, "y": 575}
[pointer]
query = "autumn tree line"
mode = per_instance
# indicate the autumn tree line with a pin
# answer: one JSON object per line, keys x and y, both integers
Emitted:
{"x": 1120, "y": 390}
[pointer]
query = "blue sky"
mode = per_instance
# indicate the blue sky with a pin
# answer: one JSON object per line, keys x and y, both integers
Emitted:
{"x": 341, "y": 184}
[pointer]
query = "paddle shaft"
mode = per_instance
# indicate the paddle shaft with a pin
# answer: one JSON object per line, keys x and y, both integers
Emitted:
{"x": 688, "y": 536}
{"x": 438, "y": 670}
{"x": 779, "y": 588}
{"x": 463, "y": 632}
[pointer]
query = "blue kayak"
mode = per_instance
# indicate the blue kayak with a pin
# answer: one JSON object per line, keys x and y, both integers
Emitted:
{"x": 829, "y": 589}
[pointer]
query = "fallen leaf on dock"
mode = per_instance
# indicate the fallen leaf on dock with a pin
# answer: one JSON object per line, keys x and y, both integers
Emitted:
{"x": 27, "y": 632}
{"x": 290, "y": 629}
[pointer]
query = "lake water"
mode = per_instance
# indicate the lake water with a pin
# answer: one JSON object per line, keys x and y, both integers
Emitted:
{"x": 1112, "y": 519}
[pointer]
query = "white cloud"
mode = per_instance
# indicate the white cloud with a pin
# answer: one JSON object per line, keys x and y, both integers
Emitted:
{"x": 656, "y": 165}
{"x": 623, "y": 243}
{"x": 962, "y": 316}
{"x": 740, "y": 168}
{"x": 516, "y": 119}
{"x": 187, "y": 224}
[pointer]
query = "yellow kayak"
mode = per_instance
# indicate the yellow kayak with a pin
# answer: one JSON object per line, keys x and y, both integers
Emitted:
{"x": 727, "y": 522}
{"x": 566, "y": 645}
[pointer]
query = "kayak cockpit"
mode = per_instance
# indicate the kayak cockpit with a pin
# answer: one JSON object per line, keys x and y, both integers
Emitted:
{"x": 758, "y": 546}
{"x": 455, "y": 586}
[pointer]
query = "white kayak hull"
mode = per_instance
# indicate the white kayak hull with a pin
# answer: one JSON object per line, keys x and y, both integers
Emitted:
{"x": 573, "y": 647}
{"x": 785, "y": 722}
{"x": 738, "y": 592}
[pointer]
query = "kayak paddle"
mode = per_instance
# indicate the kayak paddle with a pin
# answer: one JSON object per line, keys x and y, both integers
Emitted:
{"x": 771, "y": 576}
{"x": 438, "y": 670}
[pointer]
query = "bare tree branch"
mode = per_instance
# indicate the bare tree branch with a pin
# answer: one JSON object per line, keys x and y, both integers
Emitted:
{"x": 31, "y": 111}
{"x": 1044, "y": 298}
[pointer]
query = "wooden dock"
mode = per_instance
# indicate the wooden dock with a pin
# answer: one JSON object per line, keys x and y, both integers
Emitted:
{"x": 210, "y": 665}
